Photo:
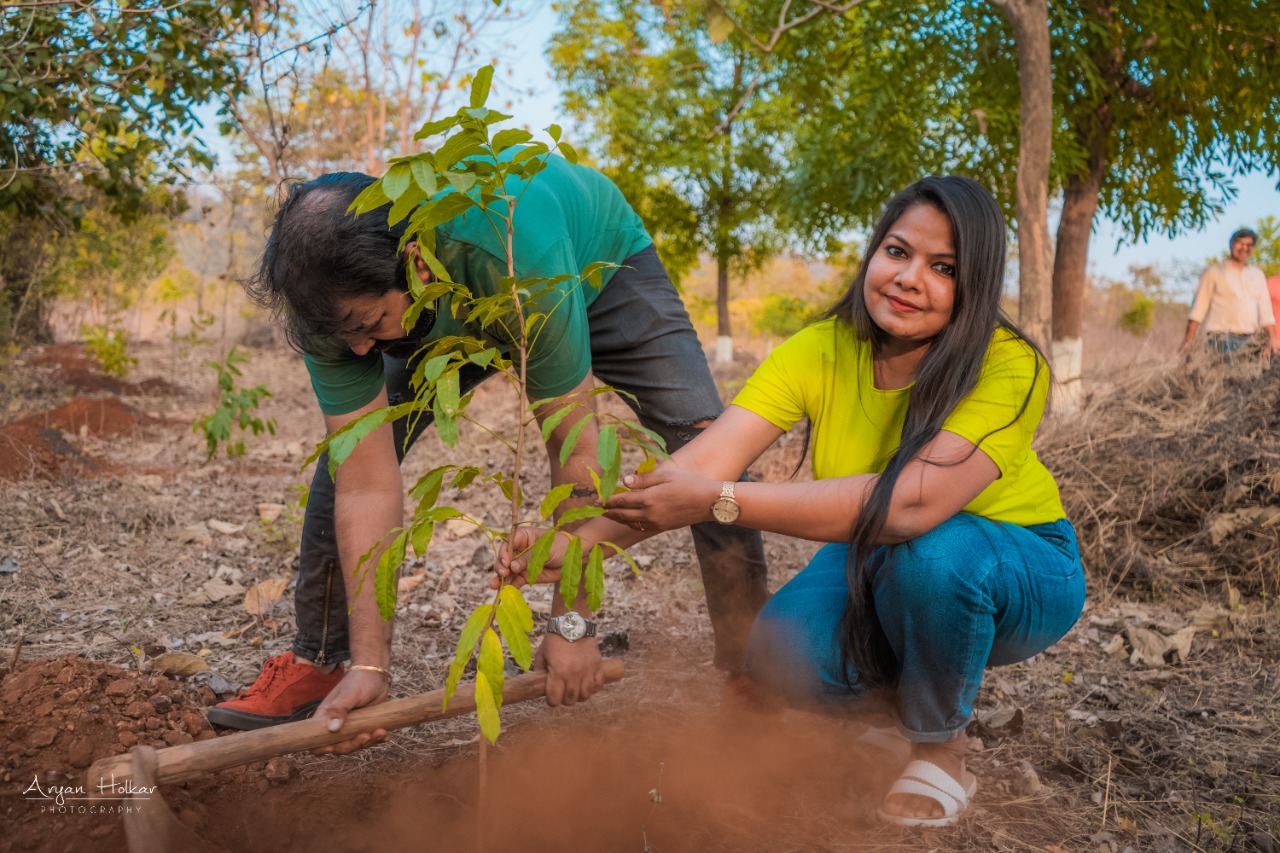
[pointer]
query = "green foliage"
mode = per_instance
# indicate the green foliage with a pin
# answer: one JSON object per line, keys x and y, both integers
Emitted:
{"x": 107, "y": 91}
{"x": 1136, "y": 320}
{"x": 657, "y": 90}
{"x": 473, "y": 171}
{"x": 781, "y": 316}
{"x": 236, "y": 408}
{"x": 1267, "y": 253}
{"x": 107, "y": 346}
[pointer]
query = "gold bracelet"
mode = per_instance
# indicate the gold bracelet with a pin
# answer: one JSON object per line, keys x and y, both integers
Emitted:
{"x": 370, "y": 667}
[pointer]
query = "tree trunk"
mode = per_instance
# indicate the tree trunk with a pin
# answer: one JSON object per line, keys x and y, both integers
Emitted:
{"x": 1070, "y": 265}
{"x": 1030, "y": 20}
{"x": 724, "y": 333}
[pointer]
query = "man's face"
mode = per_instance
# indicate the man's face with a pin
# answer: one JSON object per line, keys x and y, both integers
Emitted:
{"x": 1241, "y": 249}
{"x": 371, "y": 323}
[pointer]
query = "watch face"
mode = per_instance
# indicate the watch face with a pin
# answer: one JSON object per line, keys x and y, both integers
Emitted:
{"x": 572, "y": 626}
{"x": 725, "y": 510}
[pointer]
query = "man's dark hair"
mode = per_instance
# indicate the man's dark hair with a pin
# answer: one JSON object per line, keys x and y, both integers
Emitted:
{"x": 318, "y": 256}
{"x": 1243, "y": 234}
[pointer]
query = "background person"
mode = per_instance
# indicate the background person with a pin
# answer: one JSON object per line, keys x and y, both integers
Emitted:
{"x": 948, "y": 546}
{"x": 337, "y": 283}
{"x": 1232, "y": 302}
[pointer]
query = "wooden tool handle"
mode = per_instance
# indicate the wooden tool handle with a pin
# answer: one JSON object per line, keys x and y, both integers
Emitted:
{"x": 192, "y": 760}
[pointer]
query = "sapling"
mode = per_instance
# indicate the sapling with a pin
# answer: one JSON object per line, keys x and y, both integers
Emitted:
{"x": 472, "y": 171}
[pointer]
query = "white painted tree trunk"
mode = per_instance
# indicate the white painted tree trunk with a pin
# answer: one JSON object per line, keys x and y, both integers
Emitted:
{"x": 724, "y": 350}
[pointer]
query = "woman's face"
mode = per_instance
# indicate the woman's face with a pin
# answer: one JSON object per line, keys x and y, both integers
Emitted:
{"x": 910, "y": 283}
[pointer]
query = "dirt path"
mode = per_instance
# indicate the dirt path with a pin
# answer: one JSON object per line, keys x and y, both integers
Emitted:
{"x": 1152, "y": 726}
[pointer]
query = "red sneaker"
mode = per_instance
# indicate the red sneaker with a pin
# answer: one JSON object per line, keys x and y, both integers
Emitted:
{"x": 284, "y": 692}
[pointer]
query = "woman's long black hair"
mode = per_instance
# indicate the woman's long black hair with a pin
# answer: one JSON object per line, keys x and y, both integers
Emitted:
{"x": 945, "y": 376}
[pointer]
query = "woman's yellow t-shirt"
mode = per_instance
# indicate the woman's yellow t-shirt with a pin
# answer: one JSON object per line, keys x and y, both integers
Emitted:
{"x": 825, "y": 373}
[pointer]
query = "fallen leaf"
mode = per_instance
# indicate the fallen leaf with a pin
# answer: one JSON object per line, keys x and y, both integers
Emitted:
{"x": 197, "y": 533}
{"x": 178, "y": 663}
{"x": 1180, "y": 642}
{"x": 1150, "y": 647}
{"x": 262, "y": 596}
{"x": 1115, "y": 648}
{"x": 224, "y": 527}
{"x": 269, "y": 512}
{"x": 1211, "y": 619}
{"x": 409, "y": 584}
{"x": 213, "y": 591}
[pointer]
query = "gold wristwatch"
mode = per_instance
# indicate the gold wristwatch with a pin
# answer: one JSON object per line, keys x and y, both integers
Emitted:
{"x": 726, "y": 508}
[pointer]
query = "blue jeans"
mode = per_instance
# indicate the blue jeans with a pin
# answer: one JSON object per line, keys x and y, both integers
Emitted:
{"x": 642, "y": 343}
{"x": 969, "y": 594}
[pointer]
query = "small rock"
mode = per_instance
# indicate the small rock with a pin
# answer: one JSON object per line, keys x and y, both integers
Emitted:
{"x": 139, "y": 709}
{"x": 173, "y": 737}
{"x": 121, "y": 687}
{"x": 65, "y": 676}
{"x": 127, "y": 739}
{"x": 81, "y": 753}
{"x": 41, "y": 738}
{"x": 153, "y": 723}
{"x": 280, "y": 770}
{"x": 161, "y": 702}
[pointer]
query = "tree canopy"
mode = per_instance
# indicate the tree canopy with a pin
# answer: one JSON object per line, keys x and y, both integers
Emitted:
{"x": 106, "y": 91}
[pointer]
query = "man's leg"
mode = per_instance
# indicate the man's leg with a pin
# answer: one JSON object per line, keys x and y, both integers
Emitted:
{"x": 293, "y": 684}
{"x": 642, "y": 342}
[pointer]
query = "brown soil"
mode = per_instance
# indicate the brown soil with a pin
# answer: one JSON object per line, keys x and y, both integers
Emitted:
{"x": 58, "y": 716}
{"x": 41, "y": 445}
{"x": 1106, "y": 743}
{"x": 74, "y": 368}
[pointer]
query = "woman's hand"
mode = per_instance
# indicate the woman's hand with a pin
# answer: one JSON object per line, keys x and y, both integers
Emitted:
{"x": 515, "y": 569}
{"x": 665, "y": 499}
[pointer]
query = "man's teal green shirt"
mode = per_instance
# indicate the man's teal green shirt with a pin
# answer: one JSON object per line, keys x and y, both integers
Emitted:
{"x": 567, "y": 217}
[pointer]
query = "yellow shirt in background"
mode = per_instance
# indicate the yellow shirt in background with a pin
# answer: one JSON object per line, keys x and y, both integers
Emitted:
{"x": 825, "y": 373}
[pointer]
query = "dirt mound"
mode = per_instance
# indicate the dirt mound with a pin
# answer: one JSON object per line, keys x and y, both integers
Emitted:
{"x": 1173, "y": 479}
{"x": 36, "y": 445}
{"x": 58, "y": 716}
{"x": 77, "y": 370}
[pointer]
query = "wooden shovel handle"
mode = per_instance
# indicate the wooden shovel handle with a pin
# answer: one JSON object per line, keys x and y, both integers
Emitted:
{"x": 192, "y": 760}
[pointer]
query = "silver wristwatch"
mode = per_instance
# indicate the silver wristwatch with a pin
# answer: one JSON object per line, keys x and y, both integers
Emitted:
{"x": 572, "y": 626}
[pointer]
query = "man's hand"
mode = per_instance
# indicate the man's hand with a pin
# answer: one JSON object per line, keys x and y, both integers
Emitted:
{"x": 574, "y": 670}
{"x": 357, "y": 689}
{"x": 514, "y": 569}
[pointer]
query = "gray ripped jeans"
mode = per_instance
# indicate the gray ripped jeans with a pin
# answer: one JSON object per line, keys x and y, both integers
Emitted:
{"x": 641, "y": 342}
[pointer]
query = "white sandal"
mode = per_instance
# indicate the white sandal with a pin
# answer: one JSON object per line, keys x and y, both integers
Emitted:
{"x": 926, "y": 779}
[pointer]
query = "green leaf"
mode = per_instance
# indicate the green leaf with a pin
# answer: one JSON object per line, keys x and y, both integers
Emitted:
{"x": 554, "y": 498}
{"x": 568, "y": 152}
{"x": 371, "y": 198}
{"x": 504, "y": 139}
{"x": 466, "y": 646}
{"x": 553, "y": 130}
{"x": 610, "y": 459}
{"x": 515, "y": 620}
{"x": 431, "y": 128}
{"x": 487, "y": 709}
{"x": 647, "y": 465}
{"x": 571, "y": 572}
{"x": 595, "y": 577}
{"x": 553, "y": 420}
{"x": 424, "y": 175}
{"x": 538, "y": 554}
{"x": 445, "y": 408}
{"x": 427, "y": 489}
{"x": 635, "y": 568}
{"x": 571, "y": 440}
{"x": 384, "y": 585}
{"x": 396, "y": 181}
{"x": 490, "y": 662}
{"x": 578, "y": 513}
{"x": 342, "y": 442}
{"x": 421, "y": 536}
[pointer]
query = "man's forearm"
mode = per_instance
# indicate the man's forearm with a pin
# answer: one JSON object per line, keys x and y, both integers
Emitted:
{"x": 363, "y": 520}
